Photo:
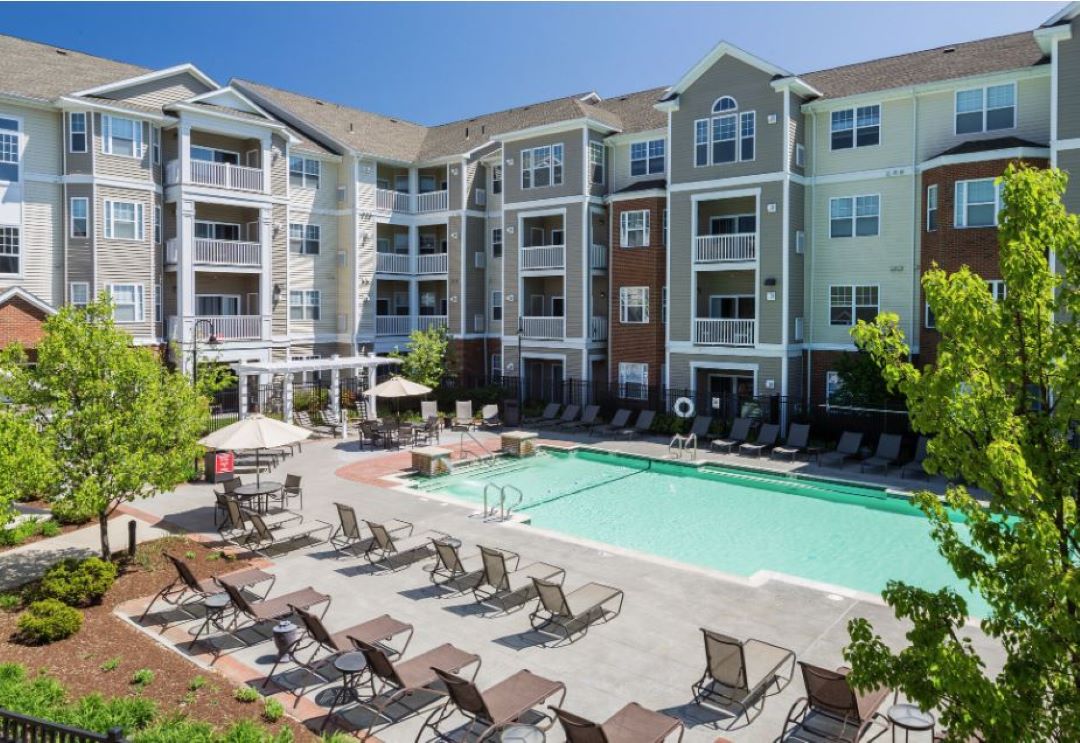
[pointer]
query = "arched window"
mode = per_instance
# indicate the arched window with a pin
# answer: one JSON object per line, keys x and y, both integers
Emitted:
{"x": 724, "y": 103}
{"x": 726, "y": 137}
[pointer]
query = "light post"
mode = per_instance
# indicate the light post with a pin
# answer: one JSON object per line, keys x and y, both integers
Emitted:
{"x": 212, "y": 340}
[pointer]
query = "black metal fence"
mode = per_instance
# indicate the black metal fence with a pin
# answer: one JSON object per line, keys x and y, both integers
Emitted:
{"x": 16, "y": 728}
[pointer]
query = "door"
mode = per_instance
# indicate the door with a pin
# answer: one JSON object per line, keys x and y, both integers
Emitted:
{"x": 536, "y": 305}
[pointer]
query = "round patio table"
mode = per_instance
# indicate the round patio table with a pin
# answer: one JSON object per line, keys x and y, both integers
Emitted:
{"x": 909, "y": 718}
{"x": 522, "y": 734}
{"x": 259, "y": 492}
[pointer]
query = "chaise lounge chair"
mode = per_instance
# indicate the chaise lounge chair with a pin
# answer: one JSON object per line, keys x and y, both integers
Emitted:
{"x": 187, "y": 589}
{"x": 235, "y": 527}
{"x": 279, "y": 607}
{"x": 463, "y": 415}
{"x": 848, "y": 448}
{"x": 506, "y": 702}
{"x": 450, "y": 567}
{"x": 830, "y": 697}
{"x": 348, "y": 536}
{"x": 588, "y": 420}
{"x": 569, "y": 415}
{"x": 263, "y": 538}
{"x": 701, "y": 426}
{"x": 429, "y": 409}
{"x": 915, "y": 466}
{"x": 641, "y": 425}
{"x": 766, "y": 439}
{"x": 489, "y": 417}
{"x": 401, "y": 547}
{"x": 618, "y": 422}
{"x": 510, "y": 587}
{"x": 739, "y": 673}
{"x": 888, "y": 453}
{"x": 798, "y": 439}
{"x": 632, "y": 724}
{"x": 740, "y": 432}
{"x": 550, "y": 414}
{"x": 582, "y": 606}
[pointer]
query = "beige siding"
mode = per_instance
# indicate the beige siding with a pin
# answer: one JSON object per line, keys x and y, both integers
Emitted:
{"x": 118, "y": 166}
{"x": 365, "y": 250}
{"x": 279, "y": 270}
{"x": 457, "y": 256}
{"x": 1069, "y": 160}
{"x": 575, "y": 299}
{"x": 43, "y": 140}
{"x": 1069, "y": 85}
{"x": 619, "y": 163}
{"x": 279, "y": 166}
{"x": 796, "y": 131}
{"x": 476, "y": 242}
{"x": 161, "y": 92}
{"x": 316, "y": 272}
{"x": 323, "y": 197}
{"x": 41, "y": 242}
{"x": 127, "y": 261}
{"x": 571, "y": 141}
{"x": 893, "y": 149}
{"x": 80, "y": 259}
{"x": 681, "y": 377}
{"x": 79, "y": 162}
{"x": 597, "y": 189}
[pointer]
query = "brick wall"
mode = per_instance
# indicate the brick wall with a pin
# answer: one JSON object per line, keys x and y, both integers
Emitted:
{"x": 638, "y": 343}
{"x": 821, "y": 363}
{"x": 467, "y": 356}
{"x": 22, "y": 322}
{"x": 951, "y": 247}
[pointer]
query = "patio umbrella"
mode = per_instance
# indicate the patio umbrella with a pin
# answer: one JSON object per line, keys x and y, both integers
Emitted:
{"x": 396, "y": 387}
{"x": 255, "y": 432}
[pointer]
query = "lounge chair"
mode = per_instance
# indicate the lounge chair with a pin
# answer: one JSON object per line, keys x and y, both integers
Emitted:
{"x": 451, "y": 567}
{"x": 387, "y": 548}
{"x": 234, "y": 528}
{"x": 798, "y": 439}
{"x": 347, "y": 535}
{"x": 498, "y": 706}
{"x": 392, "y": 681}
{"x": 641, "y": 425}
{"x": 371, "y": 432}
{"x": 429, "y": 409}
{"x": 766, "y": 439}
{"x": 632, "y": 724}
{"x": 427, "y": 433}
{"x": 489, "y": 417}
{"x": 701, "y": 426}
{"x": 618, "y": 422}
{"x": 507, "y": 586}
{"x": 848, "y": 448}
{"x": 830, "y": 696}
{"x": 550, "y": 414}
{"x": 262, "y": 537}
{"x": 332, "y": 419}
{"x": 916, "y": 465}
{"x": 569, "y": 415}
{"x": 739, "y": 673}
{"x": 888, "y": 453}
{"x": 582, "y": 606}
{"x": 279, "y": 607}
{"x": 303, "y": 419}
{"x": 187, "y": 589}
{"x": 588, "y": 420}
{"x": 463, "y": 415}
{"x": 737, "y": 436}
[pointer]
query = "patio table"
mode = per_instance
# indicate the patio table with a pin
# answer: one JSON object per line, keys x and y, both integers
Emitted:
{"x": 259, "y": 492}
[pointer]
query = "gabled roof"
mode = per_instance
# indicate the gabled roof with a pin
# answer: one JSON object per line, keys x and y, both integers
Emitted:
{"x": 635, "y": 111}
{"x": 1064, "y": 15}
{"x": 17, "y": 292}
{"x": 46, "y": 72}
{"x": 990, "y": 145}
{"x": 723, "y": 49}
{"x": 148, "y": 77}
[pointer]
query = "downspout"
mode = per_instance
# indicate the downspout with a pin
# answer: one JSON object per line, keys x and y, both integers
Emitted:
{"x": 808, "y": 331}
{"x": 915, "y": 210}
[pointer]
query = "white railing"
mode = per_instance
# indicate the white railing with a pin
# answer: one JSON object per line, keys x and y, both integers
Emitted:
{"x": 226, "y": 327}
{"x": 432, "y": 201}
{"x": 221, "y": 175}
{"x": 598, "y": 328}
{"x": 227, "y": 253}
{"x": 391, "y": 201}
{"x": 543, "y": 257}
{"x": 544, "y": 327}
{"x": 387, "y": 200}
{"x": 715, "y": 331}
{"x": 172, "y": 250}
{"x": 393, "y": 324}
{"x": 598, "y": 256}
{"x": 393, "y": 263}
{"x": 725, "y": 248}
{"x": 432, "y": 263}
{"x": 425, "y": 322}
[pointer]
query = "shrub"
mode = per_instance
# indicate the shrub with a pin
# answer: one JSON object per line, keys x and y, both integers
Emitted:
{"x": 49, "y": 528}
{"x": 273, "y": 710}
{"x": 78, "y": 582}
{"x": 95, "y": 713}
{"x": 246, "y": 694}
{"x": 142, "y": 677}
{"x": 196, "y": 683}
{"x": 67, "y": 512}
{"x": 110, "y": 665}
{"x": 47, "y": 621}
{"x": 10, "y": 601}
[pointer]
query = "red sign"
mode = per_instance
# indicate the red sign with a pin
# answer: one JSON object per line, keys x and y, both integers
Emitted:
{"x": 223, "y": 462}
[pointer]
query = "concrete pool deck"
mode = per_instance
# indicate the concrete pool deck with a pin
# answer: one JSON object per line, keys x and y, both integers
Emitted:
{"x": 650, "y": 654}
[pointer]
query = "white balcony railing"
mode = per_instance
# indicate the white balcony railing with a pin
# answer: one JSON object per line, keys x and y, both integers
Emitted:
{"x": 391, "y": 201}
{"x": 226, "y": 327}
{"x": 393, "y": 263}
{"x": 716, "y": 331}
{"x": 405, "y": 324}
{"x": 387, "y": 200}
{"x": 598, "y": 328}
{"x": 725, "y": 248}
{"x": 220, "y": 175}
{"x": 544, "y": 328}
{"x": 426, "y": 322}
{"x": 598, "y": 256}
{"x": 217, "y": 253}
{"x": 432, "y": 263}
{"x": 432, "y": 201}
{"x": 543, "y": 257}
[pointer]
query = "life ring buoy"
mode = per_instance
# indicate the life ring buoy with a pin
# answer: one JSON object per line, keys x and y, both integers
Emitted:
{"x": 683, "y": 407}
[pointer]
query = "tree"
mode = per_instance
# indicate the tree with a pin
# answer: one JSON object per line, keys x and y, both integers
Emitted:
{"x": 26, "y": 462}
{"x": 427, "y": 356}
{"x": 1001, "y": 406}
{"x": 861, "y": 381}
{"x": 120, "y": 424}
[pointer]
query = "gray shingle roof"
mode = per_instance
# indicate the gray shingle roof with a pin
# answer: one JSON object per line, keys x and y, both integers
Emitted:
{"x": 636, "y": 111}
{"x": 47, "y": 72}
{"x": 989, "y": 145}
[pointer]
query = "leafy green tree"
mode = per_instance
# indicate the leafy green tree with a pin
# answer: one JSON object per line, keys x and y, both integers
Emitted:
{"x": 861, "y": 381}
{"x": 1001, "y": 405}
{"x": 26, "y": 462}
{"x": 427, "y": 356}
{"x": 120, "y": 425}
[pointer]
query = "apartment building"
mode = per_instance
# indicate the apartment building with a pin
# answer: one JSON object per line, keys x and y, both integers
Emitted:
{"x": 720, "y": 235}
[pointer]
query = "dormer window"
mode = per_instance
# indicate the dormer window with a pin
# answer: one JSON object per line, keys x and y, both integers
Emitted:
{"x": 727, "y": 137}
{"x": 723, "y": 104}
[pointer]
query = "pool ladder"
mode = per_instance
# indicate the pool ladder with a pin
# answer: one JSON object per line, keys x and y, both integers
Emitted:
{"x": 500, "y": 511}
{"x": 679, "y": 445}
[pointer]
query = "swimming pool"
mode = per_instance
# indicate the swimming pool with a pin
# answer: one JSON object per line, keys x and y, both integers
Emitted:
{"x": 737, "y": 521}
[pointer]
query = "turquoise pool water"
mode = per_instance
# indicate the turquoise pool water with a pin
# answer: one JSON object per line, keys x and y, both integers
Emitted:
{"x": 731, "y": 520}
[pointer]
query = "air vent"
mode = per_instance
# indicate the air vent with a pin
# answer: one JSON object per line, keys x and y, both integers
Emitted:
{"x": 319, "y": 103}
{"x": 61, "y": 52}
{"x": 948, "y": 50}
{"x": 350, "y": 126}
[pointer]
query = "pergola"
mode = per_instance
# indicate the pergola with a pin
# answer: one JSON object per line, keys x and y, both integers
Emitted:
{"x": 367, "y": 364}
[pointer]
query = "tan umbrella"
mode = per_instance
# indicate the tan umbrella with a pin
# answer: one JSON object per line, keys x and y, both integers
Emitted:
{"x": 255, "y": 432}
{"x": 395, "y": 387}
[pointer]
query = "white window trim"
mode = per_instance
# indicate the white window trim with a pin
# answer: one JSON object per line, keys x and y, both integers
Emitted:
{"x": 800, "y": 155}
{"x": 595, "y": 146}
{"x": 854, "y": 216}
{"x": 71, "y": 217}
{"x": 85, "y": 286}
{"x": 960, "y": 206}
{"x": 110, "y": 221}
{"x": 239, "y": 160}
{"x": 157, "y": 224}
{"x": 647, "y": 143}
{"x": 215, "y": 223}
{"x": 138, "y": 147}
{"x": 304, "y": 239}
{"x": 304, "y": 175}
{"x": 208, "y": 295}
{"x": 20, "y": 147}
{"x": 496, "y": 365}
{"x": 495, "y": 242}
{"x": 929, "y": 322}
{"x": 551, "y": 166}
{"x": 140, "y": 303}
{"x": 624, "y": 230}
{"x": 855, "y": 127}
{"x": 18, "y": 255}
{"x": 496, "y": 305}
{"x": 85, "y": 132}
{"x": 853, "y": 306}
{"x": 305, "y": 305}
{"x": 983, "y": 88}
{"x": 624, "y": 292}
{"x": 641, "y": 387}
{"x": 710, "y": 128}
{"x": 936, "y": 210}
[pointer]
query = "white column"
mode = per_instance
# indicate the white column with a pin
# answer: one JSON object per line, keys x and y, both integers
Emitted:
{"x": 242, "y": 391}
{"x": 369, "y": 375}
{"x": 286, "y": 397}
{"x": 414, "y": 285}
{"x": 335, "y": 397}
{"x": 414, "y": 189}
{"x": 264, "y": 161}
{"x": 185, "y": 271}
{"x": 266, "y": 279}
{"x": 185, "y": 153}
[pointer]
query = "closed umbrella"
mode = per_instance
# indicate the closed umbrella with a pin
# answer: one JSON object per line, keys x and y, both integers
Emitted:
{"x": 396, "y": 387}
{"x": 255, "y": 432}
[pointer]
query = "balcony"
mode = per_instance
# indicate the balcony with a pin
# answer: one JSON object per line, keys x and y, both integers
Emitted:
{"x": 432, "y": 263}
{"x": 226, "y": 327}
{"x": 543, "y": 258}
{"x": 387, "y": 200}
{"x": 225, "y": 253}
{"x": 544, "y": 328}
{"x": 598, "y": 328}
{"x": 598, "y": 257}
{"x": 401, "y": 263}
{"x": 719, "y": 249}
{"x": 715, "y": 331}
{"x": 218, "y": 175}
{"x": 405, "y": 324}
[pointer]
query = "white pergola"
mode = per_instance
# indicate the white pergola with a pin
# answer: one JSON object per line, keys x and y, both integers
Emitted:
{"x": 365, "y": 364}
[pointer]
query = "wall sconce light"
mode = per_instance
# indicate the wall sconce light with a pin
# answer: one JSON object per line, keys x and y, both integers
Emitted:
{"x": 453, "y": 171}
{"x": 509, "y": 297}
{"x": 509, "y": 161}
{"x": 276, "y": 295}
{"x": 510, "y": 230}
{"x": 453, "y": 235}
{"x": 453, "y": 299}
{"x": 770, "y": 281}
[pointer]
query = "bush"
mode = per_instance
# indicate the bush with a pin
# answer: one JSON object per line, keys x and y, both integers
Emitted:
{"x": 47, "y": 621}
{"x": 273, "y": 710}
{"x": 78, "y": 582}
{"x": 110, "y": 665}
{"x": 666, "y": 424}
{"x": 67, "y": 512}
{"x": 10, "y": 602}
{"x": 142, "y": 677}
{"x": 246, "y": 694}
{"x": 95, "y": 713}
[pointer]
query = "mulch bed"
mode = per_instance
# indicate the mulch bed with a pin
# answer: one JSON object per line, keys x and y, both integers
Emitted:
{"x": 64, "y": 528}
{"x": 76, "y": 662}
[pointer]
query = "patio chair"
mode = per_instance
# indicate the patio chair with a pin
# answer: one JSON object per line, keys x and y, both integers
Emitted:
{"x": 427, "y": 433}
{"x": 582, "y": 606}
{"x": 641, "y": 425}
{"x": 271, "y": 610}
{"x": 766, "y": 439}
{"x": 393, "y": 681}
{"x": 186, "y": 589}
{"x": 262, "y": 537}
{"x": 291, "y": 489}
{"x": 303, "y": 419}
{"x": 701, "y": 426}
{"x": 830, "y": 696}
{"x": 372, "y": 432}
{"x": 618, "y": 421}
{"x": 450, "y": 566}
{"x": 888, "y": 453}
{"x": 498, "y": 706}
{"x": 739, "y": 673}
{"x": 429, "y": 409}
{"x": 386, "y": 549}
{"x": 569, "y": 415}
{"x": 332, "y": 418}
{"x": 347, "y": 535}
{"x": 631, "y": 724}
{"x": 798, "y": 439}
{"x": 848, "y": 448}
{"x": 489, "y": 417}
{"x": 463, "y": 414}
{"x": 234, "y": 528}
{"x": 507, "y": 586}
{"x": 550, "y": 414}
{"x": 588, "y": 420}
{"x": 916, "y": 465}
{"x": 737, "y": 436}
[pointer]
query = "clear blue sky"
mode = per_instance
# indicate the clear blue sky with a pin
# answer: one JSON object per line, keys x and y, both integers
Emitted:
{"x": 439, "y": 62}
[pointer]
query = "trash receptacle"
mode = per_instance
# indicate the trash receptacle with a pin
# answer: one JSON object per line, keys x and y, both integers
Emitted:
{"x": 511, "y": 414}
{"x": 219, "y": 466}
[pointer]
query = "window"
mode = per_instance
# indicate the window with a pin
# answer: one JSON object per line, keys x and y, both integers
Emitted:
{"x": 596, "y": 162}
{"x": 304, "y": 239}
{"x": 986, "y": 109}
{"x": 217, "y": 304}
{"x": 77, "y": 131}
{"x": 634, "y": 229}
{"x": 647, "y": 158}
{"x": 157, "y": 303}
{"x": 800, "y": 242}
{"x": 496, "y": 366}
{"x": 977, "y": 203}
{"x": 121, "y": 136}
{"x": 9, "y": 250}
{"x": 833, "y": 385}
{"x": 701, "y": 142}
{"x": 800, "y": 156}
{"x": 496, "y": 179}
{"x": 303, "y": 305}
{"x": 79, "y": 293}
{"x": 797, "y": 332}
{"x": 848, "y": 304}
{"x": 80, "y": 220}
{"x": 665, "y": 227}
{"x": 633, "y": 381}
{"x": 634, "y": 304}
{"x": 747, "y": 125}
{"x": 304, "y": 172}
{"x": 496, "y": 306}
{"x": 997, "y": 289}
{"x": 155, "y": 145}
{"x": 542, "y": 166}
{"x": 127, "y": 300}
{"x": 123, "y": 220}
{"x": 929, "y": 320}
{"x": 217, "y": 230}
{"x": 854, "y": 216}
{"x": 157, "y": 223}
{"x": 856, "y": 127}
{"x": 9, "y": 149}
{"x": 734, "y": 224}
{"x": 931, "y": 208}
{"x": 496, "y": 243}
{"x": 727, "y": 137}
{"x": 663, "y": 304}
{"x": 214, "y": 155}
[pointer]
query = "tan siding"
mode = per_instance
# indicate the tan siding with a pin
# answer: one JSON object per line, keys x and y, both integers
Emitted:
{"x": 476, "y": 242}
{"x": 571, "y": 182}
{"x": 893, "y": 149}
{"x": 279, "y": 270}
{"x": 127, "y": 261}
{"x": 41, "y": 243}
{"x": 279, "y": 166}
{"x": 1069, "y": 85}
{"x": 316, "y": 272}
{"x": 323, "y": 197}
{"x": 80, "y": 260}
{"x": 511, "y": 283}
{"x": 118, "y": 166}
{"x": 796, "y": 131}
{"x": 575, "y": 301}
{"x": 454, "y": 262}
{"x": 43, "y": 140}
{"x": 161, "y": 92}
{"x": 619, "y": 164}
